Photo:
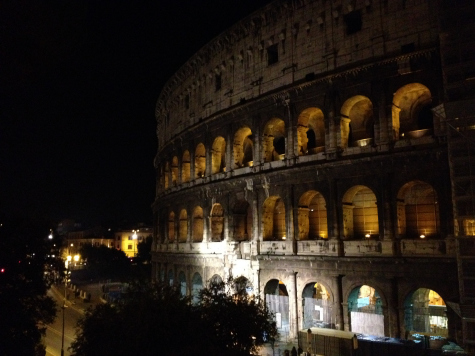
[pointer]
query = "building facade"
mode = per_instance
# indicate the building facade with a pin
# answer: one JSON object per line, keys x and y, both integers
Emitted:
{"x": 127, "y": 240}
{"x": 324, "y": 150}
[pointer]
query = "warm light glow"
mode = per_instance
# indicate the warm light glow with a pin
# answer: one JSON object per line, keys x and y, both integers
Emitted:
{"x": 134, "y": 236}
{"x": 367, "y": 236}
{"x": 69, "y": 258}
{"x": 76, "y": 258}
{"x": 422, "y": 236}
{"x": 50, "y": 236}
{"x": 72, "y": 245}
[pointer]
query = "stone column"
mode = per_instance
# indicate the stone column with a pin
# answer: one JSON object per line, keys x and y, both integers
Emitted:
{"x": 393, "y": 310}
{"x": 338, "y": 306}
{"x": 385, "y": 208}
{"x": 346, "y": 317}
{"x": 229, "y": 153}
{"x": 293, "y": 315}
{"x": 192, "y": 165}
{"x": 208, "y": 161}
{"x": 257, "y": 155}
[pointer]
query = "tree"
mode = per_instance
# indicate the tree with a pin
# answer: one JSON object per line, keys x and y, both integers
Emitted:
{"x": 25, "y": 308}
{"x": 144, "y": 248}
{"x": 155, "y": 319}
{"x": 240, "y": 322}
{"x": 105, "y": 262}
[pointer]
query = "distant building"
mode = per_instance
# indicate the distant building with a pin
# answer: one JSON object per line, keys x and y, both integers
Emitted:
{"x": 74, "y": 240}
{"x": 127, "y": 240}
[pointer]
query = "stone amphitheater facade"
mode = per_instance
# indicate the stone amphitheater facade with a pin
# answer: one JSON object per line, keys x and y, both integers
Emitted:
{"x": 306, "y": 149}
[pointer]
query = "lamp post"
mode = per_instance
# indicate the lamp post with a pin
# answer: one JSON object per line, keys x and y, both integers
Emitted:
{"x": 66, "y": 263}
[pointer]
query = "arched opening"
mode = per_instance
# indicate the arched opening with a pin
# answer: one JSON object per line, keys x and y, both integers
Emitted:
{"x": 200, "y": 161}
{"x": 469, "y": 227}
{"x": 242, "y": 285}
{"x": 360, "y": 213}
{"x": 166, "y": 175}
{"x": 417, "y": 211}
{"x": 185, "y": 167}
{"x": 218, "y": 155}
{"x": 274, "y": 227}
{"x": 317, "y": 307}
{"x": 411, "y": 114}
{"x": 356, "y": 124}
{"x": 183, "y": 226}
{"x": 242, "y": 218}
{"x": 196, "y": 287}
{"x": 216, "y": 279}
{"x": 243, "y": 148}
{"x": 174, "y": 170}
{"x": 182, "y": 281}
{"x": 312, "y": 216}
{"x": 170, "y": 277}
{"x": 217, "y": 223}
{"x": 273, "y": 140}
{"x": 277, "y": 300}
{"x": 366, "y": 311}
{"x": 311, "y": 131}
{"x": 171, "y": 227}
{"x": 198, "y": 224}
{"x": 425, "y": 312}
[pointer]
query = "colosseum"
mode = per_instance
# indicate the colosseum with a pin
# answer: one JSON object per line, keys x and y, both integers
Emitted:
{"x": 325, "y": 151}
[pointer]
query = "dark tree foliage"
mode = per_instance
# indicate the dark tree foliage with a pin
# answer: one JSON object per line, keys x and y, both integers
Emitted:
{"x": 24, "y": 306}
{"x": 144, "y": 248}
{"x": 240, "y": 322}
{"x": 104, "y": 262}
{"x": 154, "y": 319}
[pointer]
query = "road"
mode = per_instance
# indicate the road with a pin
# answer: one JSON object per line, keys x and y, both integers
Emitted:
{"x": 54, "y": 331}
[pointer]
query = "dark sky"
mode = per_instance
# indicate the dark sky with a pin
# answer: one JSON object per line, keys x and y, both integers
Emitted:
{"x": 78, "y": 86}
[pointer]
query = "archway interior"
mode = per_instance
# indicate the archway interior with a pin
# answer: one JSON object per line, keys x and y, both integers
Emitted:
{"x": 418, "y": 211}
{"x": 242, "y": 216}
{"x": 426, "y": 313}
{"x": 277, "y": 300}
{"x": 185, "y": 167}
{"x": 273, "y": 140}
{"x": 357, "y": 122}
{"x": 200, "y": 161}
{"x": 183, "y": 226}
{"x": 217, "y": 223}
{"x": 312, "y": 216}
{"x": 311, "y": 131}
{"x": 198, "y": 224}
{"x": 218, "y": 155}
{"x": 360, "y": 213}
{"x": 196, "y": 287}
{"x": 317, "y": 307}
{"x": 165, "y": 175}
{"x": 243, "y": 148}
{"x": 174, "y": 170}
{"x": 366, "y": 312}
{"x": 182, "y": 281}
{"x": 171, "y": 227}
{"x": 274, "y": 219}
{"x": 411, "y": 109}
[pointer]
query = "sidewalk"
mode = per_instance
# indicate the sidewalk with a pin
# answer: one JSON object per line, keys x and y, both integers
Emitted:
{"x": 75, "y": 301}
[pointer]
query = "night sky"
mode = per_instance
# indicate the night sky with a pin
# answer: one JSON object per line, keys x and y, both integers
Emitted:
{"x": 78, "y": 85}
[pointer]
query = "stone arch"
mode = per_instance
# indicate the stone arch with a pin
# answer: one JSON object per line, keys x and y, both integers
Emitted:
{"x": 425, "y": 312}
{"x": 242, "y": 219}
{"x": 171, "y": 227}
{"x": 185, "y": 167}
{"x": 182, "y": 283}
{"x": 311, "y": 131}
{"x": 183, "y": 226}
{"x": 200, "y": 161}
{"x": 174, "y": 170}
{"x": 243, "y": 148}
{"x": 360, "y": 213}
{"x": 274, "y": 227}
{"x": 243, "y": 285}
{"x": 365, "y": 309}
{"x": 218, "y": 155}
{"x": 273, "y": 140}
{"x": 417, "y": 211}
{"x": 312, "y": 216}
{"x": 216, "y": 279}
{"x": 411, "y": 110}
{"x": 356, "y": 124}
{"x": 277, "y": 300}
{"x": 196, "y": 287}
{"x": 317, "y": 306}
{"x": 198, "y": 225}
{"x": 217, "y": 223}
{"x": 166, "y": 174}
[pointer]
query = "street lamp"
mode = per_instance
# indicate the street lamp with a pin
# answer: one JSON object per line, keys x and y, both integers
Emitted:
{"x": 66, "y": 263}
